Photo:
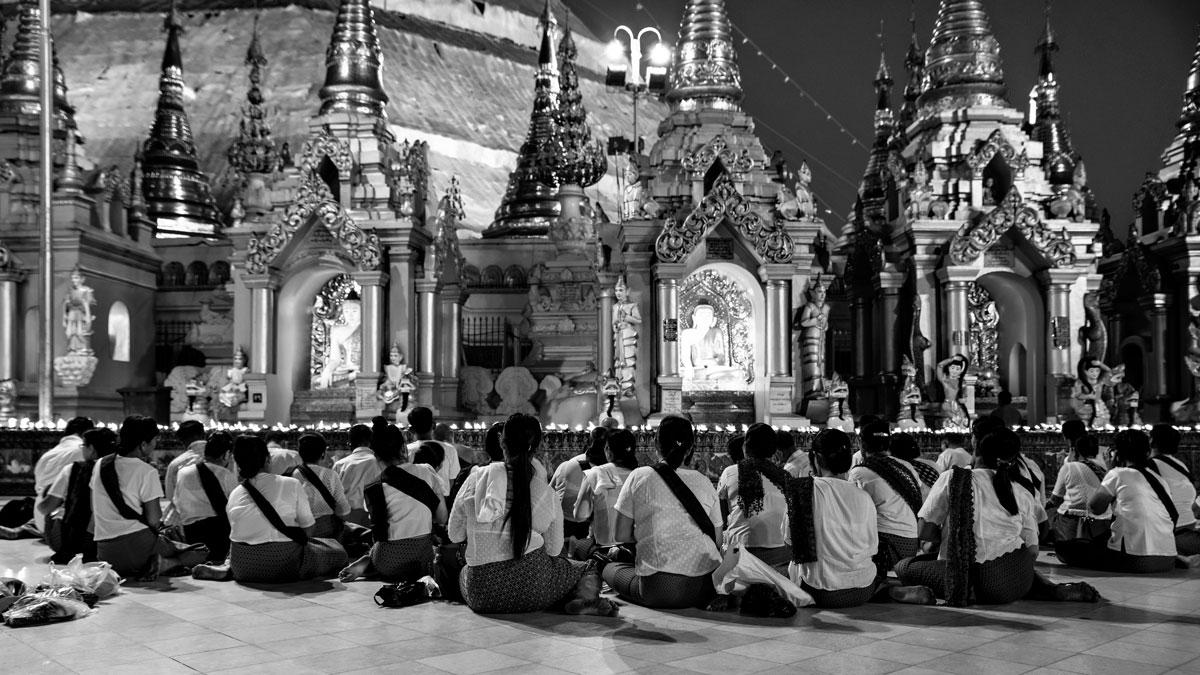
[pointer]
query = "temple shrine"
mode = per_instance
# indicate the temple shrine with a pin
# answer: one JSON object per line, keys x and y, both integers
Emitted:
{"x": 374, "y": 227}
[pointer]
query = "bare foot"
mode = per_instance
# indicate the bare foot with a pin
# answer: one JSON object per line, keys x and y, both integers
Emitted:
{"x": 355, "y": 570}
{"x": 1187, "y": 562}
{"x": 721, "y": 603}
{"x": 212, "y": 572}
{"x": 912, "y": 595}
{"x": 1076, "y": 592}
{"x": 597, "y": 607}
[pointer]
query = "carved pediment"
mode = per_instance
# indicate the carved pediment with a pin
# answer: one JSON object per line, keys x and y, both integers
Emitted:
{"x": 324, "y": 144}
{"x": 769, "y": 238}
{"x": 980, "y": 233}
{"x": 997, "y": 144}
{"x": 699, "y": 161}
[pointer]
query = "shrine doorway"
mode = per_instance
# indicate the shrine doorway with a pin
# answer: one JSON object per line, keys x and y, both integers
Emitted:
{"x": 722, "y": 348}
{"x": 1022, "y": 340}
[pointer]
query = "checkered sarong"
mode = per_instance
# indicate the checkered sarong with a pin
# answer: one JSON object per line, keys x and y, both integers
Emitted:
{"x": 531, "y": 584}
{"x": 403, "y": 559}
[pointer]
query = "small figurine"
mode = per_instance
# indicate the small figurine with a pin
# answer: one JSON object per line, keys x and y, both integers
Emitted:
{"x": 234, "y": 392}
{"x": 840, "y": 416}
{"x": 951, "y": 372}
{"x": 910, "y": 416}
{"x": 397, "y": 382}
{"x": 1089, "y": 393}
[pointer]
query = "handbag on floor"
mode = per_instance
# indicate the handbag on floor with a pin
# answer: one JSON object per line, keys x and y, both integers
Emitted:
{"x": 403, "y": 594}
{"x": 449, "y": 559}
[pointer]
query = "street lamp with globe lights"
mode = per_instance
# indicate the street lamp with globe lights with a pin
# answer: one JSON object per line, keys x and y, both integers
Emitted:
{"x": 627, "y": 72}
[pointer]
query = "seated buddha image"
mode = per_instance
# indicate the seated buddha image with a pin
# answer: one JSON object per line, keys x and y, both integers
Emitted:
{"x": 704, "y": 352}
{"x": 343, "y": 360}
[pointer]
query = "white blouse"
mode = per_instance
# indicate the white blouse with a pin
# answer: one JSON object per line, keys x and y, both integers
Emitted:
{"x": 846, "y": 538}
{"x": 668, "y": 540}
{"x": 247, "y": 523}
{"x": 408, "y": 517}
{"x": 489, "y": 542}
{"x": 1141, "y": 523}
{"x": 895, "y": 516}
{"x": 598, "y": 500}
{"x": 1076, "y": 484}
{"x": 1183, "y": 493}
{"x": 996, "y": 530}
{"x": 767, "y": 526}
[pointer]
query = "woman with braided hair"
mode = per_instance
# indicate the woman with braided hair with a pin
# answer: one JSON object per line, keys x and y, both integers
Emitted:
{"x": 753, "y": 493}
{"x": 979, "y": 534}
{"x": 895, "y": 489}
{"x": 1142, "y": 539}
{"x": 833, "y": 534}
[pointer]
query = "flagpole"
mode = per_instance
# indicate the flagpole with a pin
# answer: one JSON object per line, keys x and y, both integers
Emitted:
{"x": 46, "y": 260}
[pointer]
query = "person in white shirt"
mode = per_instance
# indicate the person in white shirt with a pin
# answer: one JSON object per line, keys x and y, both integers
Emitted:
{"x": 357, "y": 470}
{"x": 1142, "y": 539}
{"x": 71, "y": 491}
{"x": 269, "y": 522}
{"x": 282, "y": 459}
{"x": 597, "y": 500}
{"x": 420, "y": 422}
{"x": 676, "y": 552}
{"x": 467, "y": 456}
{"x": 904, "y": 447}
{"x": 795, "y": 462}
{"x": 404, "y": 504}
{"x": 126, "y": 513}
{"x": 983, "y": 510}
{"x": 68, "y": 451}
{"x": 833, "y": 534}
{"x": 1165, "y": 461}
{"x": 191, "y": 435}
{"x": 512, "y": 524}
{"x": 895, "y": 489}
{"x": 753, "y": 494}
{"x": 201, "y": 493}
{"x": 566, "y": 481}
{"x": 326, "y": 494}
{"x": 953, "y": 452}
{"x": 1078, "y": 479}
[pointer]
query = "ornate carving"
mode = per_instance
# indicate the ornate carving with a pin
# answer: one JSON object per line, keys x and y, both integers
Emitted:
{"x": 445, "y": 247}
{"x": 76, "y": 367}
{"x": 984, "y": 338}
{"x": 700, "y": 160}
{"x": 910, "y": 416}
{"x": 997, "y": 144}
{"x": 1152, "y": 189}
{"x": 324, "y": 144}
{"x": 336, "y": 354}
{"x": 973, "y": 238}
{"x": 627, "y": 321}
{"x": 1137, "y": 259}
{"x": 314, "y": 200}
{"x": 233, "y": 392}
{"x": 1093, "y": 336}
{"x": 716, "y": 349}
{"x": 397, "y": 383}
{"x": 406, "y": 167}
{"x": 812, "y": 321}
{"x": 7, "y": 262}
{"x": 770, "y": 239}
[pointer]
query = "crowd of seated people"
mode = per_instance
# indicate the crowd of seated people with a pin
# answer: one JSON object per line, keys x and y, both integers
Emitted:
{"x": 882, "y": 524}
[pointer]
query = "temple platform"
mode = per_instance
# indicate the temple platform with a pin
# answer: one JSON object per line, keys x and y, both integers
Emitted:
{"x": 1150, "y": 625}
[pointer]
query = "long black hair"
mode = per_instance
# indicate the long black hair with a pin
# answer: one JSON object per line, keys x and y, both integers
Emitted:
{"x": 1000, "y": 451}
{"x": 622, "y": 449}
{"x": 522, "y": 436}
{"x": 491, "y": 442}
{"x": 676, "y": 440}
{"x": 595, "y": 452}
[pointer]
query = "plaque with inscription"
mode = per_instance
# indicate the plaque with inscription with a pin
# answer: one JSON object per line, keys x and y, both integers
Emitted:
{"x": 672, "y": 400}
{"x": 718, "y": 248}
{"x": 1060, "y": 327}
{"x": 779, "y": 401}
{"x": 998, "y": 257}
{"x": 569, "y": 292}
{"x": 671, "y": 330}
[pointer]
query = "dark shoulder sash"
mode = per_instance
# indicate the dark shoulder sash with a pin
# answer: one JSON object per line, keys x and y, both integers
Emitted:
{"x": 378, "y": 511}
{"x": 1174, "y": 463}
{"x": 688, "y": 499}
{"x": 802, "y": 520}
{"x": 412, "y": 486}
{"x": 292, "y": 532}
{"x": 212, "y": 489}
{"x": 112, "y": 486}
{"x": 315, "y": 480}
{"x": 1163, "y": 496}
{"x": 898, "y": 477}
{"x": 1096, "y": 468}
{"x": 78, "y": 502}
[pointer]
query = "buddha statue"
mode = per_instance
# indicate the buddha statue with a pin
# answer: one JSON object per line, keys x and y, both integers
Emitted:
{"x": 704, "y": 350}
{"x": 343, "y": 360}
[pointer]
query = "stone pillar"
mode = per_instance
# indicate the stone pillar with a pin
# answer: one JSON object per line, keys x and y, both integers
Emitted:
{"x": 779, "y": 329}
{"x": 452, "y": 302}
{"x": 427, "y": 326}
{"x": 667, "y": 329}
{"x": 860, "y": 326}
{"x": 954, "y": 305}
{"x": 889, "y": 285}
{"x": 8, "y": 323}
{"x": 1159, "y": 304}
{"x": 1058, "y": 313}
{"x": 262, "y": 322}
{"x": 607, "y": 300}
{"x": 372, "y": 284}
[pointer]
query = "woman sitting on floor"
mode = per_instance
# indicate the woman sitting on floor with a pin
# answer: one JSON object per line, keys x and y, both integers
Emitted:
{"x": 895, "y": 489}
{"x": 985, "y": 529}
{"x": 512, "y": 523}
{"x": 270, "y": 521}
{"x": 1164, "y": 444}
{"x": 602, "y": 485}
{"x": 566, "y": 481}
{"x": 676, "y": 517}
{"x": 127, "y": 513}
{"x": 832, "y": 528}
{"x": 72, "y": 491}
{"x": 1143, "y": 526}
{"x": 753, "y": 494}
{"x": 201, "y": 494}
{"x": 404, "y": 504}
{"x": 1078, "y": 479}
{"x": 904, "y": 447}
{"x": 324, "y": 489}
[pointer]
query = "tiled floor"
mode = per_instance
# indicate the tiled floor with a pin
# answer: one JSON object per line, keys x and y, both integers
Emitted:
{"x": 1151, "y": 625}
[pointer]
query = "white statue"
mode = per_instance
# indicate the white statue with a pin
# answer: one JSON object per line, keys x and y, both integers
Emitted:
{"x": 704, "y": 350}
{"x": 234, "y": 391}
{"x": 398, "y": 382}
{"x": 812, "y": 321}
{"x": 343, "y": 360}
{"x": 804, "y": 195}
{"x": 627, "y": 319}
{"x": 77, "y": 315}
{"x": 631, "y": 200}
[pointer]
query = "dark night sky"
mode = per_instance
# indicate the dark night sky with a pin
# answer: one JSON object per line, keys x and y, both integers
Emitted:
{"x": 1122, "y": 69}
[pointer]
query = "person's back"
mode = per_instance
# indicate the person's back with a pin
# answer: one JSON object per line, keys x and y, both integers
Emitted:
{"x": 600, "y": 489}
{"x": 1165, "y": 461}
{"x": 1141, "y": 523}
{"x": 282, "y": 458}
{"x": 846, "y": 536}
{"x": 1006, "y": 411}
{"x": 668, "y": 540}
{"x": 420, "y": 423}
{"x": 66, "y": 452}
{"x": 953, "y": 454}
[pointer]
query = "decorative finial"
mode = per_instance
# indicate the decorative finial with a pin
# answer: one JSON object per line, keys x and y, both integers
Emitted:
{"x": 1189, "y": 117}
{"x": 254, "y": 151}
{"x": 177, "y": 192}
{"x": 20, "y": 83}
{"x": 1059, "y": 158}
{"x": 353, "y": 63}
{"x": 69, "y": 180}
{"x": 705, "y": 73}
{"x": 963, "y": 63}
{"x": 137, "y": 201}
{"x": 576, "y": 159}
{"x": 454, "y": 200}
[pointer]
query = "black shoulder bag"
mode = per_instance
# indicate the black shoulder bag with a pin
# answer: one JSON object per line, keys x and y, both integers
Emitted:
{"x": 292, "y": 532}
{"x": 688, "y": 499}
{"x": 315, "y": 480}
{"x": 1176, "y": 464}
{"x": 213, "y": 490}
{"x": 404, "y": 482}
{"x": 1162, "y": 495}
{"x": 112, "y": 486}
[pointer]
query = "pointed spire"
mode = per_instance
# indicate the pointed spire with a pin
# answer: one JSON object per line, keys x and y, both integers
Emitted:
{"x": 529, "y": 206}
{"x": 20, "y": 81}
{"x": 883, "y": 79}
{"x": 353, "y": 63}
{"x": 179, "y": 198}
{"x": 914, "y": 64}
{"x": 137, "y": 201}
{"x": 1059, "y": 158}
{"x": 963, "y": 63}
{"x": 254, "y": 151}
{"x": 1189, "y": 117}
{"x": 872, "y": 187}
{"x": 576, "y": 158}
{"x": 69, "y": 180}
{"x": 705, "y": 73}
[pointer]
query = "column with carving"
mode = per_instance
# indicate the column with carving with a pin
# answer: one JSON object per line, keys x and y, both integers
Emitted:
{"x": 606, "y": 280}
{"x": 1058, "y": 317}
{"x": 367, "y": 405}
{"x": 955, "y": 284}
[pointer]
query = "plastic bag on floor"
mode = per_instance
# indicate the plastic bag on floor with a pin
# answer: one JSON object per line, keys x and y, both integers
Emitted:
{"x": 97, "y": 578}
{"x": 34, "y": 609}
{"x": 10, "y": 590}
{"x": 741, "y": 569}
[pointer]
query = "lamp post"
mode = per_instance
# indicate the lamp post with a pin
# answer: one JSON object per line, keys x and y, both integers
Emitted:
{"x": 627, "y": 71}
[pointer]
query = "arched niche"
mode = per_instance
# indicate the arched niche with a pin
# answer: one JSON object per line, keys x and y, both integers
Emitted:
{"x": 1022, "y": 329}
{"x": 327, "y": 171}
{"x": 118, "y": 331}
{"x": 218, "y": 274}
{"x": 997, "y": 180}
{"x": 197, "y": 274}
{"x": 174, "y": 274}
